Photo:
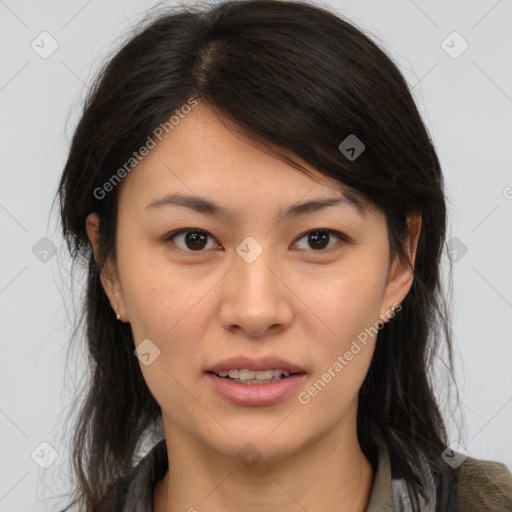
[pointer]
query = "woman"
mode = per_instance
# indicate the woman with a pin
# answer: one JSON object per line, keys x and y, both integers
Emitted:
{"x": 260, "y": 203}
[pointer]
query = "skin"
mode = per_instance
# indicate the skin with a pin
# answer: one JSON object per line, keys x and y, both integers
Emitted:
{"x": 293, "y": 301}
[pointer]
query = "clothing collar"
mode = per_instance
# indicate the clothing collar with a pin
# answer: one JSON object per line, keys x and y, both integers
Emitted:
{"x": 390, "y": 491}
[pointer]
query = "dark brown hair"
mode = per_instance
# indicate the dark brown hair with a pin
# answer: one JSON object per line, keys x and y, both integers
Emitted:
{"x": 292, "y": 75}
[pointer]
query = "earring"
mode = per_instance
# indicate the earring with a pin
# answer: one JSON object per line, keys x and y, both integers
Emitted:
{"x": 117, "y": 314}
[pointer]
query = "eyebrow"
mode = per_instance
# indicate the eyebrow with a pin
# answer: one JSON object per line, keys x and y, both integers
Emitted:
{"x": 209, "y": 207}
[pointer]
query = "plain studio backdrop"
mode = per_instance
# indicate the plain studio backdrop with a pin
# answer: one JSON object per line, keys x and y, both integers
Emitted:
{"x": 455, "y": 56}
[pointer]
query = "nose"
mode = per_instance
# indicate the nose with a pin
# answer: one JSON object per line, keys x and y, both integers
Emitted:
{"x": 256, "y": 297}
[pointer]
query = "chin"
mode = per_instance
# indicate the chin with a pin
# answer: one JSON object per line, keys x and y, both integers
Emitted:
{"x": 253, "y": 444}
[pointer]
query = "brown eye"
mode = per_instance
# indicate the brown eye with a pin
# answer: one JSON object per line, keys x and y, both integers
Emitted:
{"x": 191, "y": 240}
{"x": 196, "y": 240}
{"x": 319, "y": 239}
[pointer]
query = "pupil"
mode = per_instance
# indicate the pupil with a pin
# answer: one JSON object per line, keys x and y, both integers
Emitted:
{"x": 196, "y": 238}
{"x": 319, "y": 236}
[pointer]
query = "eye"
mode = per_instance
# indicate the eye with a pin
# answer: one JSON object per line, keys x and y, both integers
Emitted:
{"x": 318, "y": 239}
{"x": 192, "y": 240}
{"x": 195, "y": 240}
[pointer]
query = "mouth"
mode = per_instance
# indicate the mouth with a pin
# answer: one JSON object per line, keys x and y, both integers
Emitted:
{"x": 256, "y": 387}
{"x": 252, "y": 377}
{"x": 255, "y": 381}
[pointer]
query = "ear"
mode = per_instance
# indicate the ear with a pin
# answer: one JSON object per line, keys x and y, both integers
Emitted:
{"x": 108, "y": 273}
{"x": 401, "y": 274}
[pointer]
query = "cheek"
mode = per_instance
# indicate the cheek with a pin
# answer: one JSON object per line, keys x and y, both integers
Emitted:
{"x": 173, "y": 315}
{"x": 163, "y": 301}
{"x": 344, "y": 302}
{"x": 343, "y": 322}
{"x": 348, "y": 309}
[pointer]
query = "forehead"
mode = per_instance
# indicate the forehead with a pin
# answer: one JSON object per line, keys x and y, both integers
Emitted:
{"x": 204, "y": 156}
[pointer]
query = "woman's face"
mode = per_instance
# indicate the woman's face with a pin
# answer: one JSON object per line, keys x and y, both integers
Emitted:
{"x": 251, "y": 284}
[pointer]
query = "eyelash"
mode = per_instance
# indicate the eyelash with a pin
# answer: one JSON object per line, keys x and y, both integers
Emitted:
{"x": 338, "y": 234}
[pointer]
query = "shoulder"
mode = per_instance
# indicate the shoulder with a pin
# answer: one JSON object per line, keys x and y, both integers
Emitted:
{"x": 484, "y": 485}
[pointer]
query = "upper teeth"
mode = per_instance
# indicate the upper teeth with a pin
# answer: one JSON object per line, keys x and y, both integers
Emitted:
{"x": 249, "y": 374}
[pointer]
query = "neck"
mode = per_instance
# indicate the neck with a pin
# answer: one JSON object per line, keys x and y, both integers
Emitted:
{"x": 329, "y": 474}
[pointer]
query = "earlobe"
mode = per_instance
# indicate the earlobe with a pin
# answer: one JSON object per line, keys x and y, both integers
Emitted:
{"x": 108, "y": 278}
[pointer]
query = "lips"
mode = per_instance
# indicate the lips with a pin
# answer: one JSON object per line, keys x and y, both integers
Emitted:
{"x": 260, "y": 364}
{"x": 255, "y": 394}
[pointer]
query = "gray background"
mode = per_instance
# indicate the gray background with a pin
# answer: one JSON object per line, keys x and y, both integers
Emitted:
{"x": 466, "y": 101}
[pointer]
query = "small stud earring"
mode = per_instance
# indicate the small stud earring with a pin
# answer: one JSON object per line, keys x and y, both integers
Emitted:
{"x": 117, "y": 314}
